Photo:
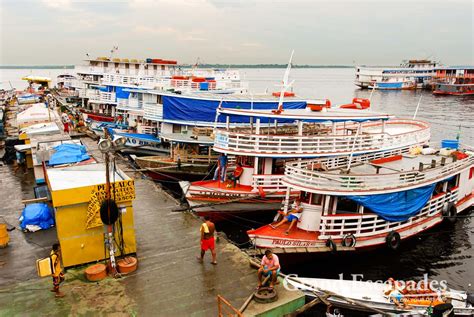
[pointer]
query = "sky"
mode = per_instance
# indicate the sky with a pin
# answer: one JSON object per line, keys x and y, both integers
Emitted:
{"x": 342, "y": 32}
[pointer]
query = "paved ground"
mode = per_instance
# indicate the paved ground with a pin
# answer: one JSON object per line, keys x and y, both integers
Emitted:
{"x": 169, "y": 281}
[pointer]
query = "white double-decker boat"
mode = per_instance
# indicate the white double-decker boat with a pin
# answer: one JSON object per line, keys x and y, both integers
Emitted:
{"x": 262, "y": 140}
{"x": 355, "y": 202}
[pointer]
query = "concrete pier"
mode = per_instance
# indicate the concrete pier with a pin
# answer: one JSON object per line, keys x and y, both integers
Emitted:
{"x": 168, "y": 282}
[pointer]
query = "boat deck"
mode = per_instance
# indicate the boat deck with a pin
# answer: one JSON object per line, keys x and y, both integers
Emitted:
{"x": 405, "y": 163}
{"x": 279, "y": 233}
{"x": 221, "y": 186}
{"x": 399, "y": 171}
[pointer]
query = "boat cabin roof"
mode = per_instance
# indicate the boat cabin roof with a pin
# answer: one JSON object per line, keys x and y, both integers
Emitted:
{"x": 229, "y": 97}
{"x": 81, "y": 176}
{"x": 331, "y": 114}
{"x": 401, "y": 163}
{"x": 187, "y": 138}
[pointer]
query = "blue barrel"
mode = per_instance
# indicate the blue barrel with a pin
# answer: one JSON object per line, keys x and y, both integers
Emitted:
{"x": 452, "y": 144}
{"x": 204, "y": 86}
{"x": 149, "y": 60}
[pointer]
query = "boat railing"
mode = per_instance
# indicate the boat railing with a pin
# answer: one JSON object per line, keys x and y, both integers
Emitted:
{"x": 195, "y": 158}
{"x": 268, "y": 183}
{"x": 309, "y": 145}
{"x": 147, "y": 129}
{"x": 130, "y": 80}
{"x": 341, "y": 161}
{"x": 153, "y": 111}
{"x": 107, "y": 97}
{"x": 362, "y": 225}
{"x": 341, "y": 182}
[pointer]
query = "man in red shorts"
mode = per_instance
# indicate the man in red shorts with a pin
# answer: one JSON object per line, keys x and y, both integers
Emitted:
{"x": 207, "y": 240}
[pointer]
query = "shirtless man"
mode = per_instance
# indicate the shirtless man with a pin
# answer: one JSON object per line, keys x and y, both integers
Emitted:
{"x": 207, "y": 240}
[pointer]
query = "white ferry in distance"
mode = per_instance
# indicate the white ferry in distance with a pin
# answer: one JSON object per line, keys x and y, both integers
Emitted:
{"x": 412, "y": 74}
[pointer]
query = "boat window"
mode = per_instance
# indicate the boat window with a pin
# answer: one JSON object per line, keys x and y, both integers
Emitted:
{"x": 278, "y": 167}
{"x": 438, "y": 188}
{"x": 316, "y": 199}
{"x": 176, "y": 128}
{"x": 452, "y": 182}
{"x": 159, "y": 99}
{"x": 345, "y": 205}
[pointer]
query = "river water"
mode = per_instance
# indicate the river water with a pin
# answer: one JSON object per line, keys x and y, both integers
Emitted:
{"x": 444, "y": 253}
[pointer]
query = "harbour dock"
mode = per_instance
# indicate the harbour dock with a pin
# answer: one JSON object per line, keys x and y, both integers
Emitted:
{"x": 169, "y": 280}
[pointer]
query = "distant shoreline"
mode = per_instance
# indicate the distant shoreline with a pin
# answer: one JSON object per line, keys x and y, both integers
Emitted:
{"x": 37, "y": 67}
{"x": 186, "y": 66}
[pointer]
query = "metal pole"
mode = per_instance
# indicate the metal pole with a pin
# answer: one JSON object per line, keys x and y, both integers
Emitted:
{"x": 353, "y": 147}
{"x": 417, "y": 107}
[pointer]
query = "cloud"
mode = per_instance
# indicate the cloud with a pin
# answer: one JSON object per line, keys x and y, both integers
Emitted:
{"x": 170, "y": 32}
{"x": 252, "y": 44}
{"x": 58, "y": 4}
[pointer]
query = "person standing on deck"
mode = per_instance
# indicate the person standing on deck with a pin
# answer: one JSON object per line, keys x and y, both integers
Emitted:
{"x": 270, "y": 266}
{"x": 221, "y": 169}
{"x": 207, "y": 240}
{"x": 58, "y": 275}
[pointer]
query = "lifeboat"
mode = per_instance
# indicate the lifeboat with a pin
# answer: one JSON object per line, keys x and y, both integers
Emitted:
{"x": 285, "y": 94}
{"x": 198, "y": 79}
{"x": 319, "y": 107}
{"x": 357, "y": 103}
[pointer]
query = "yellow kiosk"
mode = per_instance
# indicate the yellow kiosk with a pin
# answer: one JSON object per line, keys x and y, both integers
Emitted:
{"x": 77, "y": 193}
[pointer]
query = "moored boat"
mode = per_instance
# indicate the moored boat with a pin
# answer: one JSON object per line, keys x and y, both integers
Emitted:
{"x": 191, "y": 158}
{"x": 454, "y": 81}
{"x": 371, "y": 296}
{"x": 410, "y": 74}
{"x": 270, "y": 138}
{"x": 368, "y": 201}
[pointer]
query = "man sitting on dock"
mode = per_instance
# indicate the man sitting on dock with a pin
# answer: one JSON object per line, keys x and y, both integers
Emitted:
{"x": 293, "y": 216}
{"x": 236, "y": 174}
{"x": 270, "y": 266}
{"x": 207, "y": 240}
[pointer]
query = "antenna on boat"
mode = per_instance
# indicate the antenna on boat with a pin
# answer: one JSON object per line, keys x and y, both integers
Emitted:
{"x": 113, "y": 50}
{"x": 217, "y": 113}
{"x": 195, "y": 66}
{"x": 417, "y": 107}
{"x": 285, "y": 84}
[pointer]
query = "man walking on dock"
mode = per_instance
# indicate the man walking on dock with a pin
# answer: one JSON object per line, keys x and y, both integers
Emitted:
{"x": 207, "y": 240}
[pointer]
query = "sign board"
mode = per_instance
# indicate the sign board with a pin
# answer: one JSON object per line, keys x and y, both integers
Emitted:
{"x": 121, "y": 191}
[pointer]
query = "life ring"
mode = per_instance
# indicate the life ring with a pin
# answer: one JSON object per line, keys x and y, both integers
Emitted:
{"x": 107, "y": 205}
{"x": 331, "y": 245}
{"x": 349, "y": 240}
{"x": 393, "y": 240}
{"x": 450, "y": 213}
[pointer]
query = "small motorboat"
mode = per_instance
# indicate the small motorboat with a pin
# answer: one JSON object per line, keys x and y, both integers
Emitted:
{"x": 370, "y": 297}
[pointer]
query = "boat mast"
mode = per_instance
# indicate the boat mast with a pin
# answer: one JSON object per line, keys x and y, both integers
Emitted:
{"x": 418, "y": 106}
{"x": 285, "y": 84}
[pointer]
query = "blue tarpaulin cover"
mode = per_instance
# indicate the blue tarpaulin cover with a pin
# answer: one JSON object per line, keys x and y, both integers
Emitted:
{"x": 68, "y": 153}
{"x": 39, "y": 214}
{"x": 397, "y": 206}
{"x": 121, "y": 92}
{"x": 195, "y": 110}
